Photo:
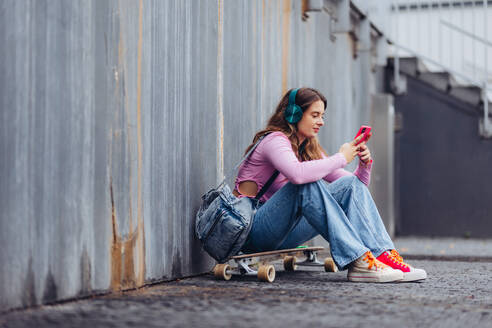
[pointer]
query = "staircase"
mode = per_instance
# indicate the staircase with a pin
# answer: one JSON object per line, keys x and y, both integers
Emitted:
{"x": 445, "y": 82}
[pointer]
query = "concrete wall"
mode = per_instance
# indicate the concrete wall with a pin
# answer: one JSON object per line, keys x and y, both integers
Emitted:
{"x": 116, "y": 116}
{"x": 382, "y": 149}
{"x": 442, "y": 173}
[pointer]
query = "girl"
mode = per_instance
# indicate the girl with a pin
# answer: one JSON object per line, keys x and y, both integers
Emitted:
{"x": 300, "y": 204}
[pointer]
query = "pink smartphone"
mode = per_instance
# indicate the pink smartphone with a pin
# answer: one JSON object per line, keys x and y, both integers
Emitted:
{"x": 364, "y": 129}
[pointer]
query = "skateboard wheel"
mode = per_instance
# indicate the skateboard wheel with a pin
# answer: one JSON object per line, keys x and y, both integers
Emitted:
{"x": 266, "y": 273}
{"x": 330, "y": 265}
{"x": 290, "y": 263}
{"x": 220, "y": 271}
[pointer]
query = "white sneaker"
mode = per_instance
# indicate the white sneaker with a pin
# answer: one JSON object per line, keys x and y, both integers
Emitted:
{"x": 368, "y": 269}
{"x": 414, "y": 274}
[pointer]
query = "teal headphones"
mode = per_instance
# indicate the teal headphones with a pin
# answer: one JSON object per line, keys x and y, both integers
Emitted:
{"x": 293, "y": 112}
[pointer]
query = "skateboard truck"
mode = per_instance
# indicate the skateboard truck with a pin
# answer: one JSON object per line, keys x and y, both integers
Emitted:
{"x": 311, "y": 259}
{"x": 244, "y": 268}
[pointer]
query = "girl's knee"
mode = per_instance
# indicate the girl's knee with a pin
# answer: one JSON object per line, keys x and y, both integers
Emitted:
{"x": 345, "y": 183}
{"x": 348, "y": 180}
{"x": 315, "y": 186}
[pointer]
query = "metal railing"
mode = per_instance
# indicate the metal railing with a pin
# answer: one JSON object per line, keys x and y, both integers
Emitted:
{"x": 435, "y": 32}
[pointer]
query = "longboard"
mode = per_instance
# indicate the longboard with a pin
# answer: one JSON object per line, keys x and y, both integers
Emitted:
{"x": 258, "y": 264}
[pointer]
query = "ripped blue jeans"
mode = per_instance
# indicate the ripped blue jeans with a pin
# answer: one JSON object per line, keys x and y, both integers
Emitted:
{"x": 342, "y": 212}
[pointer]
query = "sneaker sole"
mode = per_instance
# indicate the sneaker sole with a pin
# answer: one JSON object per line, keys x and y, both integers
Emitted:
{"x": 368, "y": 278}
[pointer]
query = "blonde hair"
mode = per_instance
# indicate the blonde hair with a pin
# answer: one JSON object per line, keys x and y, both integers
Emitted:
{"x": 311, "y": 148}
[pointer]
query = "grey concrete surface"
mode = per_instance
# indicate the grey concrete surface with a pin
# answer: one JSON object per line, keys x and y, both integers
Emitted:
{"x": 458, "y": 249}
{"x": 454, "y": 295}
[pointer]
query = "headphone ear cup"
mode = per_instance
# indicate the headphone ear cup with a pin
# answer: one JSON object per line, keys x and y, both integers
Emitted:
{"x": 293, "y": 113}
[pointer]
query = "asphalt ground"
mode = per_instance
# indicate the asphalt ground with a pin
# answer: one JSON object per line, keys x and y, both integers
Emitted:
{"x": 452, "y": 249}
{"x": 456, "y": 294}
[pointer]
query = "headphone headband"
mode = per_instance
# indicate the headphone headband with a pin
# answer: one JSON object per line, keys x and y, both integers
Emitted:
{"x": 292, "y": 97}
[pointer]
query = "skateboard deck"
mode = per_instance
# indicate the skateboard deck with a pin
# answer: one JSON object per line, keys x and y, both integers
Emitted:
{"x": 259, "y": 264}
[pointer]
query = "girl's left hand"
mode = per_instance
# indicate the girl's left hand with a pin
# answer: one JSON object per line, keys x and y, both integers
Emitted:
{"x": 364, "y": 153}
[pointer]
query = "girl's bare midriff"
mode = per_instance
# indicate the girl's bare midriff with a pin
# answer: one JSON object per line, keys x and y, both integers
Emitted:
{"x": 246, "y": 188}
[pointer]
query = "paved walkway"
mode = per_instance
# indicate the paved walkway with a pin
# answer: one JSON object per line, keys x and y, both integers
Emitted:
{"x": 446, "y": 248}
{"x": 456, "y": 294}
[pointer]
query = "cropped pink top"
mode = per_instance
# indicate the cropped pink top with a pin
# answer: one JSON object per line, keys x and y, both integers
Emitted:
{"x": 275, "y": 153}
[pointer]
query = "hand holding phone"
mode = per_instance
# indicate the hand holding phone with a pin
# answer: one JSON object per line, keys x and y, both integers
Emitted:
{"x": 350, "y": 149}
{"x": 365, "y": 131}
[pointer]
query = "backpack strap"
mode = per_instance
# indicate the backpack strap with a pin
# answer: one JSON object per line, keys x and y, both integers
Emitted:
{"x": 267, "y": 185}
{"x": 243, "y": 159}
{"x": 270, "y": 180}
{"x": 275, "y": 175}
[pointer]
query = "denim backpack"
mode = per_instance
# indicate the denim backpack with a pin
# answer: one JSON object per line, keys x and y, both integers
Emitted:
{"x": 223, "y": 221}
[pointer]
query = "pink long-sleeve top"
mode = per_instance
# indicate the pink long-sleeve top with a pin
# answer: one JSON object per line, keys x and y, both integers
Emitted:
{"x": 275, "y": 153}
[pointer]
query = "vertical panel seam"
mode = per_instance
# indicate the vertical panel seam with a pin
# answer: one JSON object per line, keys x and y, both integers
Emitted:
{"x": 220, "y": 90}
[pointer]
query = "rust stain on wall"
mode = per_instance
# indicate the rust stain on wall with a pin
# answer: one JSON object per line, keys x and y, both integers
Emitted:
{"x": 115, "y": 245}
{"x": 128, "y": 276}
{"x": 304, "y": 9}
{"x": 123, "y": 250}
{"x": 285, "y": 43}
